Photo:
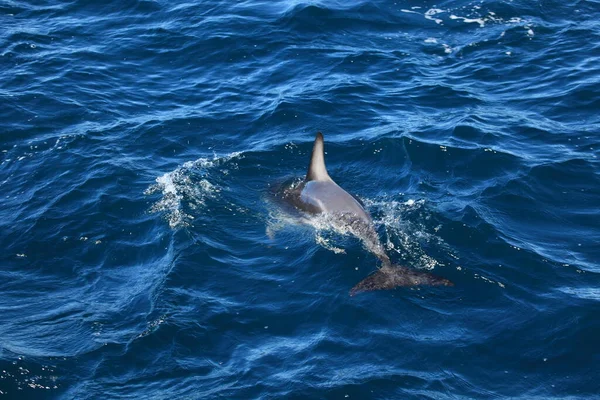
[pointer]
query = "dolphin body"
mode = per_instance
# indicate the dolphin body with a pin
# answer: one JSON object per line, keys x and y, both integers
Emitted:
{"x": 319, "y": 194}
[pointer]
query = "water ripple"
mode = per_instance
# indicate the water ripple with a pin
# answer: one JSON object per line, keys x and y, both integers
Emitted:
{"x": 142, "y": 256}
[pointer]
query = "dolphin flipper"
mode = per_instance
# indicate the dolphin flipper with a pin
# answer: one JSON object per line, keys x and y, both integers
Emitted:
{"x": 393, "y": 276}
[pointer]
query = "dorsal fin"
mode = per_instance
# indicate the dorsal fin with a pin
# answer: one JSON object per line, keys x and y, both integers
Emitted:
{"x": 316, "y": 169}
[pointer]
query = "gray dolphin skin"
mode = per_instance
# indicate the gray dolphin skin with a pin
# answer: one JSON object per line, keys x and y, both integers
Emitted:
{"x": 319, "y": 194}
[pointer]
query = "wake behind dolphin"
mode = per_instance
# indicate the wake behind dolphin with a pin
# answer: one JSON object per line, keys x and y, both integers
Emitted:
{"x": 319, "y": 194}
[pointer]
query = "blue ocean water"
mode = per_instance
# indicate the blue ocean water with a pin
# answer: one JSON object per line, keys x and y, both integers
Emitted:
{"x": 143, "y": 258}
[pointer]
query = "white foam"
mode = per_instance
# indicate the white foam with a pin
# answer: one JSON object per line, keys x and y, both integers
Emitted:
{"x": 178, "y": 187}
{"x": 404, "y": 223}
{"x": 529, "y": 31}
{"x": 327, "y": 223}
{"x": 326, "y": 243}
{"x": 475, "y": 17}
{"x": 167, "y": 183}
{"x": 480, "y": 21}
{"x": 432, "y": 12}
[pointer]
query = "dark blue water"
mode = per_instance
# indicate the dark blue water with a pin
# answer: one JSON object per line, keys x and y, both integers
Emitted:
{"x": 141, "y": 254}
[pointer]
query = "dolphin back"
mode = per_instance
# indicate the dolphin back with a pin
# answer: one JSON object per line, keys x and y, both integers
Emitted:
{"x": 318, "y": 193}
{"x": 389, "y": 277}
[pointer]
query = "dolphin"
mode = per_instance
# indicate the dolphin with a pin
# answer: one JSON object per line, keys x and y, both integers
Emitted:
{"x": 319, "y": 194}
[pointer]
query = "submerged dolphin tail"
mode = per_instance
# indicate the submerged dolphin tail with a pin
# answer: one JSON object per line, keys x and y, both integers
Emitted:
{"x": 316, "y": 168}
{"x": 390, "y": 277}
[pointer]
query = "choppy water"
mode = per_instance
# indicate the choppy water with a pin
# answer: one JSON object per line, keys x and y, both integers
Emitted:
{"x": 141, "y": 257}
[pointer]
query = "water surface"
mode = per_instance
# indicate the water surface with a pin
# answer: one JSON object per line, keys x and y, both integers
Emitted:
{"x": 142, "y": 257}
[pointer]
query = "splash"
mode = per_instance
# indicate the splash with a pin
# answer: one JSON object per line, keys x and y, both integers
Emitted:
{"x": 326, "y": 244}
{"x": 188, "y": 185}
{"x": 324, "y": 227}
{"x": 407, "y": 233}
{"x": 480, "y": 21}
{"x": 431, "y": 15}
{"x": 476, "y": 16}
{"x": 404, "y": 224}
